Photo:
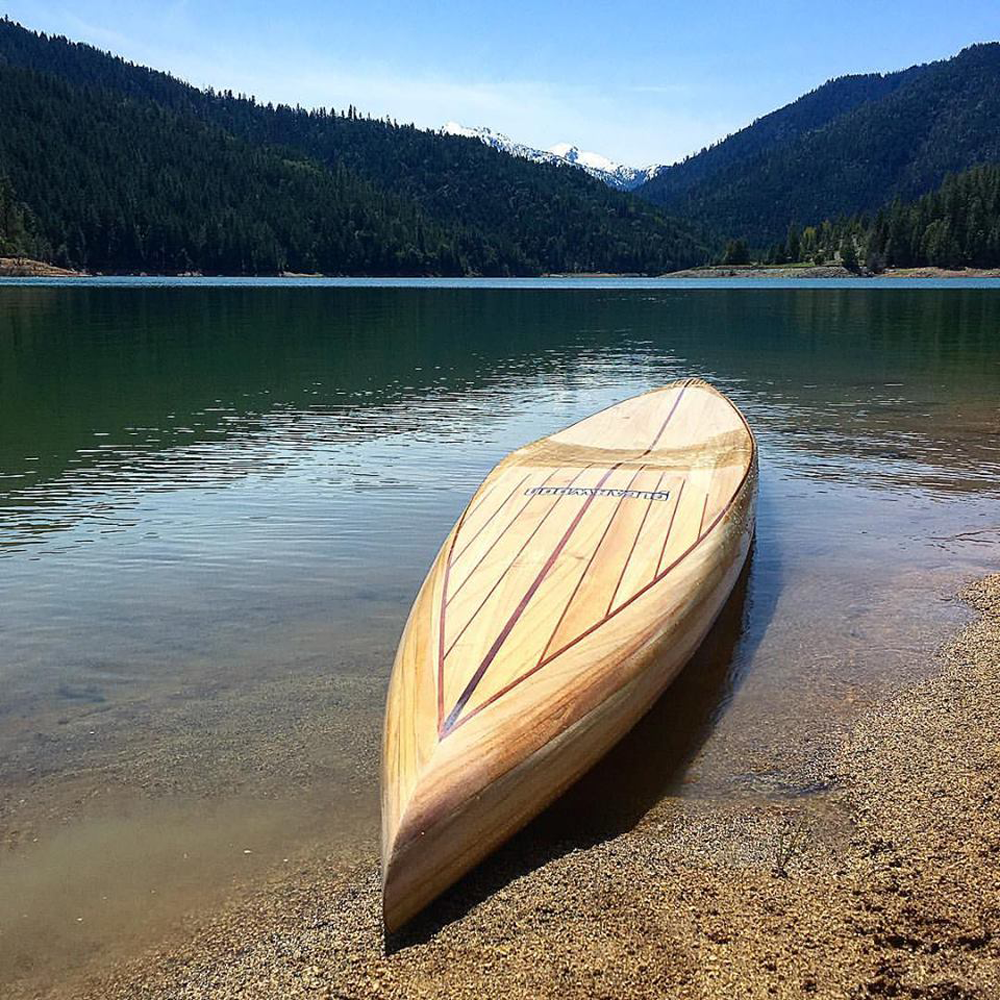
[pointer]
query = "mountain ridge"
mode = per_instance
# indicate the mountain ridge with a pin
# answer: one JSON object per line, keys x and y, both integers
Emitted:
{"x": 851, "y": 145}
{"x": 168, "y": 177}
{"x": 616, "y": 175}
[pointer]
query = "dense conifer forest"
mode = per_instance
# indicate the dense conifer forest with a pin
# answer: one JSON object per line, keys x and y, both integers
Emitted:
{"x": 110, "y": 166}
{"x": 114, "y": 167}
{"x": 955, "y": 226}
{"x": 17, "y": 227}
{"x": 853, "y": 145}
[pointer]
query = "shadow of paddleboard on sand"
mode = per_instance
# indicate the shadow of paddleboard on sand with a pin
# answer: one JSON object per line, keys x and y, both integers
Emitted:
{"x": 648, "y": 764}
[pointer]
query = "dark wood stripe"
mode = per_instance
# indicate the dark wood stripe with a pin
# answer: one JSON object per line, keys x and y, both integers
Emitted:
{"x": 621, "y": 607}
{"x": 670, "y": 527}
{"x": 704, "y": 508}
{"x": 519, "y": 610}
{"x": 474, "y": 509}
{"x": 441, "y": 617}
{"x": 631, "y": 551}
{"x": 663, "y": 426}
{"x": 479, "y": 530}
{"x": 496, "y": 541}
{"x": 586, "y": 570}
{"x": 509, "y": 565}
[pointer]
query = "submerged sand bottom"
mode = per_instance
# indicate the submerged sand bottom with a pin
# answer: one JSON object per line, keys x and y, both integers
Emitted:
{"x": 886, "y": 885}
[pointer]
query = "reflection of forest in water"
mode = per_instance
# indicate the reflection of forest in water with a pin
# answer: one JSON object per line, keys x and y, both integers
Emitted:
{"x": 120, "y": 378}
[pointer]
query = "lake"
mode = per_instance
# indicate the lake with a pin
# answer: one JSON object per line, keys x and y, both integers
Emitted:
{"x": 218, "y": 499}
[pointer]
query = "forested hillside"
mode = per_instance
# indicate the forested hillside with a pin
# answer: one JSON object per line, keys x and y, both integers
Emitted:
{"x": 109, "y": 166}
{"x": 955, "y": 226}
{"x": 132, "y": 186}
{"x": 119, "y": 167}
{"x": 852, "y": 145}
{"x": 17, "y": 228}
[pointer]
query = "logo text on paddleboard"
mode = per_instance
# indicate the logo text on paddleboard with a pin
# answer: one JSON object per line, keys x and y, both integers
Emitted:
{"x": 595, "y": 491}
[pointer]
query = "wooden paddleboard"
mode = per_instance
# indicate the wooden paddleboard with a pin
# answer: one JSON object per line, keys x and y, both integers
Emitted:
{"x": 584, "y": 573}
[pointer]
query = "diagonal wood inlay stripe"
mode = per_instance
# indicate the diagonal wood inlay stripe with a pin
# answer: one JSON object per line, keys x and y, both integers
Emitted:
{"x": 663, "y": 426}
{"x": 666, "y": 537}
{"x": 631, "y": 551}
{"x": 499, "y": 579}
{"x": 474, "y": 508}
{"x": 519, "y": 610}
{"x": 441, "y": 611}
{"x": 701, "y": 523}
{"x": 485, "y": 523}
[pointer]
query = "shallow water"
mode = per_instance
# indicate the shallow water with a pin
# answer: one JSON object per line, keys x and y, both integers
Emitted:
{"x": 217, "y": 501}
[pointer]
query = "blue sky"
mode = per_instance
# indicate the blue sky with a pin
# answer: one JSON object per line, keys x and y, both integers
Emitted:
{"x": 641, "y": 82}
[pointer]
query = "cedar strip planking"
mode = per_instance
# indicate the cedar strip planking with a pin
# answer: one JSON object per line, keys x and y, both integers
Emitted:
{"x": 480, "y": 737}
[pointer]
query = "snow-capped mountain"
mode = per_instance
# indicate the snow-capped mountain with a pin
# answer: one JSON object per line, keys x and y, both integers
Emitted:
{"x": 616, "y": 175}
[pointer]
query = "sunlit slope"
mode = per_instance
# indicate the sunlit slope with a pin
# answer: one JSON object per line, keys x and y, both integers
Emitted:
{"x": 851, "y": 145}
{"x": 126, "y": 168}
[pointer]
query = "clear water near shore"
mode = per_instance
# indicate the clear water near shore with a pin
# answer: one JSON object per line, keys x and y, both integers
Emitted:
{"x": 217, "y": 502}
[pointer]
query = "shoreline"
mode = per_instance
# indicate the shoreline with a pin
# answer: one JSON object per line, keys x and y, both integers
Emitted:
{"x": 829, "y": 271}
{"x": 23, "y": 267}
{"x": 884, "y": 884}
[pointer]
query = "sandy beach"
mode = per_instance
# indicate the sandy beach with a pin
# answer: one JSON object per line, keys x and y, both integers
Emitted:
{"x": 886, "y": 885}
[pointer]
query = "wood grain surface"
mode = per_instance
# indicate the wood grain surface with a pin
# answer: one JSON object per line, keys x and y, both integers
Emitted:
{"x": 584, "y": 573}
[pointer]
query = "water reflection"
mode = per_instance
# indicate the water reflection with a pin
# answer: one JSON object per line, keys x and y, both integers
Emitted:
{"x": 162, "y": 388}
{"x": 216, "y": 505}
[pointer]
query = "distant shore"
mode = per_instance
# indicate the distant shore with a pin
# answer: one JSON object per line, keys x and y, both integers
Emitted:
{"x": 25, "y": 267}
{"x": 825, "y": 271}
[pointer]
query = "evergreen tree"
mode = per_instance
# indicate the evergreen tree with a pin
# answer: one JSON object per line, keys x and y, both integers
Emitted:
{"x": 777, "y": 255}
{"x": 736, "y": 252}
{"x": 793, "y": 243}
{"x": 122, "y": 168}
{"x": 849, "y": 254}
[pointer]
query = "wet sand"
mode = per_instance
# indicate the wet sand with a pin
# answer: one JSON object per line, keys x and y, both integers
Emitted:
{"x": 885, "y": 885}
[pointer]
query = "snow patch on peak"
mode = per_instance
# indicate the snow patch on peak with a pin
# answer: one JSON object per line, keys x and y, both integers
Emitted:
{"x": 487, "y": 135}
{"x": 616, "y": 175}
{"x": 565, "y": 150}
{"x": 453, "y": 128}
{"x": 588, "y": 159}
